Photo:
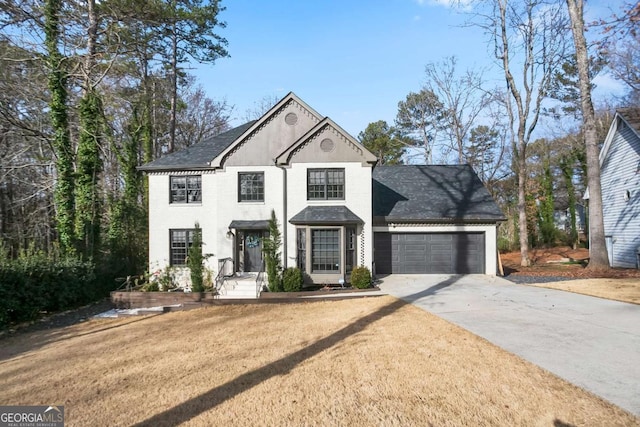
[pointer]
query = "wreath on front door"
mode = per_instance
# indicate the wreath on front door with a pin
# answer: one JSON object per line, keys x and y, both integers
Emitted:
{"x": 253, "y": 241}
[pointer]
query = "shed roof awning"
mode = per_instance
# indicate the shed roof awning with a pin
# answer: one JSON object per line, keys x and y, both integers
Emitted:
{"x": 326, "y": 215}
{"x": 260, "y": 224}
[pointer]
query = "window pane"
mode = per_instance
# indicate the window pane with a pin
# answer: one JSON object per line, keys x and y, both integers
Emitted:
{"x": 301, "y": 256}
{"x": 325, "y": 250}
{"x": 194, "y": 193}
{"x": 316, "y": 184}
{"x": 251, "y": 187}
{"x": 350, "y": 249}
{"x": 335, "y": 184}
{"x": 178, "y": 189}
{"x": 180, "y": 242}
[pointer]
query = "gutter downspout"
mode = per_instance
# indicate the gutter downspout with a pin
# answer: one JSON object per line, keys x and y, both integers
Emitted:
{"x": 284, "y": 213}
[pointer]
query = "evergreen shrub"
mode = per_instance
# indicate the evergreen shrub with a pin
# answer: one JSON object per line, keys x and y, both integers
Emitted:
{"x": 361, "y": 277}
{"x": 33, "y": 284}
{"x": 292, "y": 279}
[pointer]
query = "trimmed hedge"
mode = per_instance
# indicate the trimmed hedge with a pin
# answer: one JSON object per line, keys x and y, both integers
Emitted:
{"x": 35, "y": 284}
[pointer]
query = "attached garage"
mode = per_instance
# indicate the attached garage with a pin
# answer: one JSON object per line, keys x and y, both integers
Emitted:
{"x": 433, "y": 219}
{"x": 429, "y": 253}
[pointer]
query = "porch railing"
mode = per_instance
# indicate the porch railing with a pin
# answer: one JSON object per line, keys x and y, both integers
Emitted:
{"x": 225, "y": 270}
{"x": 260, "y": 280}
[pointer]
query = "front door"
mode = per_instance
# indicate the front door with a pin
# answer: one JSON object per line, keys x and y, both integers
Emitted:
{"x": 253, "y": 250}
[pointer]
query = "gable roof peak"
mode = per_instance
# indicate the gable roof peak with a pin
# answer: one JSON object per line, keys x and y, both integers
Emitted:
{"x": 264, "y": 120}
{"x": 326, "y": 123}
{"x": 631, "y": 115}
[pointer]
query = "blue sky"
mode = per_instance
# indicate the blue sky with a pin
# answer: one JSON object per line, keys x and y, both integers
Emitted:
{"x": 350, "y": 60}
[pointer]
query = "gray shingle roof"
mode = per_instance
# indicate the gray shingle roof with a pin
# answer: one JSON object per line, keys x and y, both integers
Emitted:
{"x": 258, "y": 224}
{"x": 326, "y": 215}
{"x": 433, "y": 193}
{"x": 199, "y": 155}
{"x": 632, "y": 117}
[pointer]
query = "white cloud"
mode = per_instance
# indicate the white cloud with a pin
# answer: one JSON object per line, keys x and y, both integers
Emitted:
{"x": 607, "y": 86}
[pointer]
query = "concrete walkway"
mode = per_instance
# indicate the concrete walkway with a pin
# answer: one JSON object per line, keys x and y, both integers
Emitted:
{"x": 591, "y": 342}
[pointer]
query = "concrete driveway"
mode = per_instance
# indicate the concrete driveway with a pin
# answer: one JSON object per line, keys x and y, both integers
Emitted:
{"x": 591, "y": 342}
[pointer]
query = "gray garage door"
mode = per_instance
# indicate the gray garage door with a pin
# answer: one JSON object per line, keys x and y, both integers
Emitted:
{"x": 429, "y": 253}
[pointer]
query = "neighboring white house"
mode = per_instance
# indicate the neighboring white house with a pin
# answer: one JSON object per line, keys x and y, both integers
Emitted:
{"x": 336, "y": 209}
{"x": 620, "y": 180}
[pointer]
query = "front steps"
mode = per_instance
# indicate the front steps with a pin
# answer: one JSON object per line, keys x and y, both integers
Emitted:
{"x": 239, "y": 286}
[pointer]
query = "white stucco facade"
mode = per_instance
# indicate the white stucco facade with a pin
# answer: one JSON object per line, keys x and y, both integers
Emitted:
{"x": 293, "y": 129}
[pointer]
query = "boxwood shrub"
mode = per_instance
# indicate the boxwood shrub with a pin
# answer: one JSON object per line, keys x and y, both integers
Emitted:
{"x": 292, "y": 279}
{"x": 361, "y": 277}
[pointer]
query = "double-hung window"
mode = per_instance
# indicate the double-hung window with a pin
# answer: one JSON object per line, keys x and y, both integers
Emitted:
{"x": 179, "y": 243}
{"x": 186, "y": 189}
{"x": 325, "y": 184}
{"x": 251, "y": 187}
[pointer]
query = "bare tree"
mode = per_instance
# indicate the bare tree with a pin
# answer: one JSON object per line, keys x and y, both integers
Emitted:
{"x": 462, "y": 99}
{"x": 598, "y": 257}
{"x": 623, "y": 61}
{"x": 528, "y": 40}
{"x": 201, "y": 117}
{"x": 260, "y": 107}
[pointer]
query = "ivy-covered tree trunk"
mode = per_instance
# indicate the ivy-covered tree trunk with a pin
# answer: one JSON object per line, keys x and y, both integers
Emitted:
{"x": 88, "y": 209}
{"x": 128, "y": 218}
{"x": 88, "y": 160}
{"x": 566, "y": 166}
{"x": 64, "y": 186}
{"x": 547, "y": 225}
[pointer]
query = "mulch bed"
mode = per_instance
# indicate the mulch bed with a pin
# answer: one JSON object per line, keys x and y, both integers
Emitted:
{"x": 560, "y": 263}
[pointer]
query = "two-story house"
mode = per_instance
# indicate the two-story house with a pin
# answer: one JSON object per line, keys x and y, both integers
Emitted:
{"x": 335, "y": 210}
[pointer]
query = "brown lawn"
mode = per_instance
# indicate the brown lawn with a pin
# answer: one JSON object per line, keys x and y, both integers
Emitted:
{"x": 625, "y": 290}
{"x": 370, "y": 361}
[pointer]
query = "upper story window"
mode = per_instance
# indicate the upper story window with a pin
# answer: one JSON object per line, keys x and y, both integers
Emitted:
{"x": 186, "y": 189}
{"x": 251, "y": 187}
{"x": 325, "y": 184}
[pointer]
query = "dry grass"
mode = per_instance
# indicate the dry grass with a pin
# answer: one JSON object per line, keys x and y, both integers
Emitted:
{"x": 625, "y": 290}
{"x": 372, "y": 361}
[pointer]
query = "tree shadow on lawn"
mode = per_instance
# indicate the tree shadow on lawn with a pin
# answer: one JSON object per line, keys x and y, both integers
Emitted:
{"x": 195, "y": 406}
